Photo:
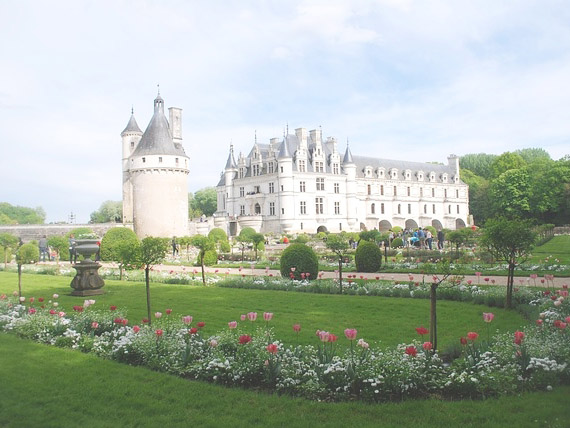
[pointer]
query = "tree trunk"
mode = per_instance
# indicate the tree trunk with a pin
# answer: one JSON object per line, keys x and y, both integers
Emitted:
{"x": 20, "y": 279}
{"x": 340, "y": 273}
{"x": 433, "y": 316}
{"x": 120, "y": 271}
{"x": 510, "y": 281}
{"x": 147, "y": 280}
{"x": 202, "y": 263}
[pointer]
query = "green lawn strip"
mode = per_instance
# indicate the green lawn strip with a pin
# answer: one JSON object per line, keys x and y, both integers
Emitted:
{"x": 389, "y": 321}
{"x": 49, "y": 387}
{"x": 558, "y": 247}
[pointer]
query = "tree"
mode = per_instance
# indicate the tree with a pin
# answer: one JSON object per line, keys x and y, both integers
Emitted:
{"x": 120, "y": 245}
{"x": 60, "y": 244}
{"x": 509, "y": 241}
{"x": 8, "y": 245}
{"x": 109, "y": 211}
{"x": 548, "y": 192}
{"x": 257, "y": 239}
{"x": 371, "y": 235}
{"x": 220, "y": 238}
{"x": 192, "y": 213}
{"x": 532, "y": 155}
{"x": 506, "y": 162}
{"x": 459, "y": 237}
{"x": 339, "y": 245}
{"x": 479, "y": 202}
{"x": 11, "y": 214}
{"x": 205, "y": 201}
{"x": 27, "y": 253}
{"x": 150, "y": 252}
{"x": 478, "y": 163}
{"x": 204, "y": 244}
{"x": 244, "y": 238}
{"x": 510, "y": 194}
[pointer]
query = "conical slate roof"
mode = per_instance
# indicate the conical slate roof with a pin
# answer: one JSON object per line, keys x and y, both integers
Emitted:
{"x": 284, "y": 151}
{"x": 347, "y": 156}
{"x": 231, "y": 163}
{"x": 157, "y": 138}
{"x": 132, "y": 126}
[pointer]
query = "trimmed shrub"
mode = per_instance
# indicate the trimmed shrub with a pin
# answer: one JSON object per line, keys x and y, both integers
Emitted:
{"x": 397, "y": 243}
{"x": 368, "y": 257}
{"x": 300, "y": 257}
{"x": 210, "y": 258}
{"x": 114, "y": 239}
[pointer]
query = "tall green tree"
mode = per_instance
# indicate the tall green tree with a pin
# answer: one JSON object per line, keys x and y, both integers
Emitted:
{"x": 205, "y": 201}
{"x": 12, "y": 214}
{"x": 478, "y": 163}
{"x": 532, "y": 155}
{"x": 549, "y": 192}
{"x": 27, "y": 253}
{"x": 510, "y": 194}
{"x": 257, "y": 239}
{"x": 509, "y": 241}
{"x": 479, "y": 201}
{"x": 109, "y": 211}
{"x": 121, "y": 246}
{"x": 506, "y": 162}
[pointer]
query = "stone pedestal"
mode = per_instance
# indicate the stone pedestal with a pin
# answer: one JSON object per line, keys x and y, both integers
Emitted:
{"x": 87, "y": 281}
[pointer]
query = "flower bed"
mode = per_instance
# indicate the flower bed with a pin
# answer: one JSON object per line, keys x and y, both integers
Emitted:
{"x": 248, "y": 354}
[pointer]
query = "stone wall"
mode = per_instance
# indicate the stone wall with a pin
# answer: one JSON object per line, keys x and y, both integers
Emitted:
{"x": 31, "y": 232}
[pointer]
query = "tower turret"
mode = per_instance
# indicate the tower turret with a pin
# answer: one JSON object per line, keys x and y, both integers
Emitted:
{"x": 130, "y": 136}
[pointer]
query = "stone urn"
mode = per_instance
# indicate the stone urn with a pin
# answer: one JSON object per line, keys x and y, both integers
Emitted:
{"x": 87, "y": 281}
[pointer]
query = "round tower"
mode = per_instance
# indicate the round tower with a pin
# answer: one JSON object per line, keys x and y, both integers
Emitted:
{"x": 158, "y": 169}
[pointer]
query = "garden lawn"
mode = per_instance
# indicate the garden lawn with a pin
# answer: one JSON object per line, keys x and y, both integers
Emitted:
{"x": 389, "y": 321}
{"x": 558, "y": 247}
{"x": 45, "y": 386}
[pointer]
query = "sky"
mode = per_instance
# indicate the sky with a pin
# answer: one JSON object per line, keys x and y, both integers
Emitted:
{"x": 399, "y": 79}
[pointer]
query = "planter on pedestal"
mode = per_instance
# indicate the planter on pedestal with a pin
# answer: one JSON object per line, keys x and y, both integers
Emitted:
{"x": 87, "y": 281}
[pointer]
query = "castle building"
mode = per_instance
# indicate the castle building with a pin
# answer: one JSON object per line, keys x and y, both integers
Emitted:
{"x": 303, "y": 184}
{"x": 155, "y": 175}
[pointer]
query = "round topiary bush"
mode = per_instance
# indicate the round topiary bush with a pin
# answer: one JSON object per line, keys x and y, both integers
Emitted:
{"x": 115, "y": 242}
{"x": 302, "y": 259}
{"x": 210, "y": 258}
{"x": 397, "y": 243}
{"x": 368, "y": 257}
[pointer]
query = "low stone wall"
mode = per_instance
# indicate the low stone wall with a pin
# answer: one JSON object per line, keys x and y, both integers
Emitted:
{"x": 33, "y": 232}
{"x": 562, "y": 230}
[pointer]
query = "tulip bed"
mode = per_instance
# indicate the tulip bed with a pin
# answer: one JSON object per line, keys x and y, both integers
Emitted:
{"x": 249, "y": 354}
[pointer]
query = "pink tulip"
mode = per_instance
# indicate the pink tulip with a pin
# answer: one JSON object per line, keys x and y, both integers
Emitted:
{"x": 61, "y": 314}
{"x": 272, "y": 348}
{"x": 243, "y": 317}
{"x": 252, "y": 316}
{"x": 158, "y": 315}
{"x": 232, "y": 324}
{"x": 323, "y": 335}
{"x": 32, "y": 311}
{"x": 187, "y": 319}
{"x": 95, "y": 325}
{"x": 427, "y": 346}
{"x": 488, "y": 316}
{"x": 159, "y": 332}
{"x": 136, "y": 329}
{"x": 362, "y": 344}
{"x": 350, "y": 333}
{"x": 267, "y": 316}
{"x": 296, "y": 328}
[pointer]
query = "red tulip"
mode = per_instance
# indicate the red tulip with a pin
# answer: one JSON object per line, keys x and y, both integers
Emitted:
{"x": 168, "y": 311}
{"x": 245, "y": 338}
{"x": 113, "y": 308}
{"x": 427, "y": 346}
{"x": 472, "y": 335}
{"x": 519, "y": 336}
{"x": 136, "y": 329}
{"x": 422, "y": 330}
{"x": 411, "y": 351}
{"x": 158, "y": 332}
{"x": 193, "y": 330}
{"x": 201, "y": 324}
{"x": 297, "y": 328}
{"x": 463, "y": 341}
{"x": 272, "y": 348}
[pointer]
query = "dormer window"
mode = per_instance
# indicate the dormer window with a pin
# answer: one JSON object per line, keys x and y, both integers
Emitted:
{"x": 420, "y": 176}
{"x": 432, "y": 176}
{"x": 408, "y": 174}
{"x": 368, "y": 171}
{"x": 381, "y": 172}
{"x": 393, "y": 174}
{"x": 444, "y": 178}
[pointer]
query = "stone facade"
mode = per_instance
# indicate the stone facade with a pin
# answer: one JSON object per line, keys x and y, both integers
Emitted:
{"x": 301, "y": 183}
{"x": 155, "y": 175}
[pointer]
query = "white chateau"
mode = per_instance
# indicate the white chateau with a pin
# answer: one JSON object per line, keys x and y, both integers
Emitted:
{"x": 155, "y": 175}
{"x": 303, "y": 184}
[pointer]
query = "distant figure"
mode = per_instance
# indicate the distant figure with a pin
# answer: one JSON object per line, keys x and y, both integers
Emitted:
{"x": 98, "y": 254}
{"x": 440, "y": 239}
{"x": 72, "y": 252}
{"x": 174, "y": 247}
{"x": 20, "y": 242}
{"x": 42, "y": 243}
{"x": 429, "y": 238}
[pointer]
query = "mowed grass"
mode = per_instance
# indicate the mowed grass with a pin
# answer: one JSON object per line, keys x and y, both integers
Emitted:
{"x": 389, "y": 321}
{"x": 44, "y": 386}
{"x": 558, "y": 247}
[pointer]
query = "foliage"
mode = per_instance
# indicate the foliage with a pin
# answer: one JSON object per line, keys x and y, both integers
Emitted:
{"x": 120, "y": 245}
{"x": 204, "y": 245}
{"x": 370, "y": 235}
{"x": 59, "y": 243}
{"x": 510, "y": 194}
{"x": 109, "y": 211}
{"x": 246, "y": 234}
{"x": 299, "y": 259}
{"x": 8, "y": 245}
{"x": 368, "y": 257}
{"x": 397, "y": 243}
{"x": 257, "y": 239}
{"x": 78, "y": 231}
{"x": 11, "y": 214}
{"x": 477, "y": 163}
{"x": 210, "y": 258}
{"x": 302, "y": 238}
{"x": 339, "y": 245}
{"x": 204, "y": 201}
{"x": 218, "y": 235}
{"x": 27, "y": 253}
{"x": 506, "y": 162}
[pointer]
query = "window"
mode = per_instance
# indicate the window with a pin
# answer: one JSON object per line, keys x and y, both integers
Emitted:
{"x": 457, "y": 193}
{"x": 301, "y": 186}
{"x": 369, "y": 189}
{"x": 301, "y": 226}
{"x": 335, "y": 168}
{"x": 382, "y": 208}
{"x": 303, "y": 207}
{"x": 302, "y": 166}
{"x": 270, "y": 167}
{"x": 282, "y": 211}
{"x": 255, "y": 170}
{"x": 242, "y": 172}
{"x": 340, "y": 226}
{"x": 445, "y": 193}
{"x": 319, "y": 167}
{"x": 176, "y": 160}
{"x": 457, "y": 209}
{"x": 337, "y": 207}
{"x": 160, "y": 159}
{"x": 408, "y": 191}
{"x": 433, "y": 208}
{"x": 399, "y": 209}
{"x": 433, "y": 192}
{"x": 320, "y": 184}
{"x": 132, "y": 144}
{"x": 421, "y": 192}
{"x": 281, "y": 169}
{"x": 336, "y": 188}
{"x": 373, "y": 209}
{"x": 382, "y": 189}
{"x": 319, "y": 205}
{"x": 242, "y": 210}
{"x": 241, "y": 192}
{"x": 144, "y": 160}
{"x": 409, "y": 208}
{"x": 257, "y": 209}
{"x": 271, "y": 188}
{"x": 256, "y": 189}
{"x": 449, "y": 209}
{"x": 395, "y": 191}
{"x": 281, "y": 187}
{"x": 271, "y": 208}
{"x": 425, "y": 208}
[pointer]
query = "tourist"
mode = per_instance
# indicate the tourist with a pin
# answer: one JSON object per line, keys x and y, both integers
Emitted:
{"x": 429, "y": 238}
{"x": 174, "y": 247}
{"x": 72, "y": 252}
{"x": 43, "y": 248}
{"x": 440, "y": 239}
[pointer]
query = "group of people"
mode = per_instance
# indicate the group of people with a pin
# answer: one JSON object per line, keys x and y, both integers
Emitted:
{"x": 420, "y": 238}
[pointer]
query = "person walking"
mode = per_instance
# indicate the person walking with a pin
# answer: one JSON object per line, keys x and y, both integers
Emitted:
{"x": 174, "y": 247}
{"x": 429, "y": 238}
{"x": 440, "y": 239}
{"x": 42, "y": 243}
